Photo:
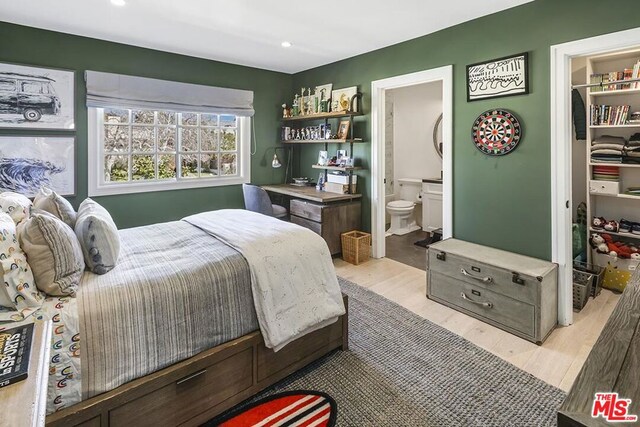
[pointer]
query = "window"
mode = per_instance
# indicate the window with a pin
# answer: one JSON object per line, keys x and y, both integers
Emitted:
{"x": 7, "y": 85}
{"x": 149, "y": 150}
{"x": 32, "y": 87}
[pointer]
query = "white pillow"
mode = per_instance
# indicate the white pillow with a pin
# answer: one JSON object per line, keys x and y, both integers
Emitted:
{"x": 16, "y": 205}
{"x": 98, "y": 236}
{"x": 19, "y": 296}
{"x": 49, "y": 201}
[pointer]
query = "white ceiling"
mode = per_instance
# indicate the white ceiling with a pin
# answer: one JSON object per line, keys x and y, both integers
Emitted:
{"x": 249, "y": 32}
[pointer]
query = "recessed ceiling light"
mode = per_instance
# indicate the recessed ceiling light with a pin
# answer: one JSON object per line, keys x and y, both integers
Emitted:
{"x": 118, "y": 2}
{"x": 286, "y": 44}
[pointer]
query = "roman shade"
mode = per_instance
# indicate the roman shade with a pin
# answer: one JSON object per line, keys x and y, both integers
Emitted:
{"x": 117, "y": 90}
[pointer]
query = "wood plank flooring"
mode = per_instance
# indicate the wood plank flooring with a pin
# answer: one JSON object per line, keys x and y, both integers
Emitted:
{"x": 556, "y": 362}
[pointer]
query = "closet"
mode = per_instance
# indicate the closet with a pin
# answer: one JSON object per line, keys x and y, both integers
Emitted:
{"x": 612, "y": 162}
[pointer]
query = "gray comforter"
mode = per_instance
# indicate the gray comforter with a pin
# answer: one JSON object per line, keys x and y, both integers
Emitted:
{"x": 175, "y": 292}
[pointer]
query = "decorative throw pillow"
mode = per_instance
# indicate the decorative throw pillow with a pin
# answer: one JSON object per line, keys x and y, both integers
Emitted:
{"x": 48, "y": 200}
{"x": 53, "y": 252}
{"x": 98, "y": 236}
{"x": 16, "y": 205}
{"x": 19, "y": 296}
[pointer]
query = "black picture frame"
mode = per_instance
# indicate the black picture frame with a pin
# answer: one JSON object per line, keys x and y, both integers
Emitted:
{"x": 519, "y": 65}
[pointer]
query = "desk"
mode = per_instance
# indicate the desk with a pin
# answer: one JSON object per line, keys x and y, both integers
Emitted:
{"x": 327, "y": 214}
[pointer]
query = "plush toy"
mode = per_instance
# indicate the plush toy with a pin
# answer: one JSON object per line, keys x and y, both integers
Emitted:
{"x": 611, "y": 226}
{"x": 598, "y": 222}
{"x": 598, "y": 243}
{"x": 616, "y": 249}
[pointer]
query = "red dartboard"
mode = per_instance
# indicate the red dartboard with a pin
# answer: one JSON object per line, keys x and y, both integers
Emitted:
{"x": 496, "y": 132}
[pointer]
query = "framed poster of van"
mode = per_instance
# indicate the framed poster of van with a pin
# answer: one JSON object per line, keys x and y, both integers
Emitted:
{"x": 36, "y": 98}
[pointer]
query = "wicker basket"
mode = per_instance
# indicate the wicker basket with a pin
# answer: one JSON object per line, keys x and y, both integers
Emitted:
{"x": 356, "y": 246}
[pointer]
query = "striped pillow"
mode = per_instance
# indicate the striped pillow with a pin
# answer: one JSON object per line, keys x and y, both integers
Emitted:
{"x": 98, "y": 236}
{"x": 53, "y": 252}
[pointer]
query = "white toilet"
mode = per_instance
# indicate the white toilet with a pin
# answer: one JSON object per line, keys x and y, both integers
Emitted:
{"x": 401, "y": 211}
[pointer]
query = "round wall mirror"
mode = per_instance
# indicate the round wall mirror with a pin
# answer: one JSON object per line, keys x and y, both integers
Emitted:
{"x": 437, "y": 136}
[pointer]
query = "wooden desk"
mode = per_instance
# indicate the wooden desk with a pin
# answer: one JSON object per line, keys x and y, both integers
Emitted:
{"x": 25, "y": 403}
{"x": 309, "y": 193}
{"x": 328, "y": 214}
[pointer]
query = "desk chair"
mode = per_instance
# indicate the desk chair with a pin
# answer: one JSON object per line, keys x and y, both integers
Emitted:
{"x": 256, "y": 199}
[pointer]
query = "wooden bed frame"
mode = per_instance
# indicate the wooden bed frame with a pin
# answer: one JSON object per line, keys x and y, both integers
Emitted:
{"x": 195, "y": 390}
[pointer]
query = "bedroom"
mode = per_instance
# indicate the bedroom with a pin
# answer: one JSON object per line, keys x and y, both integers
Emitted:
{"x": 521, "y": 193}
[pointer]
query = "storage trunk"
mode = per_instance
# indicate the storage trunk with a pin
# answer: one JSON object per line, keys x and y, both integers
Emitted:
{"x": 513, "y": 292}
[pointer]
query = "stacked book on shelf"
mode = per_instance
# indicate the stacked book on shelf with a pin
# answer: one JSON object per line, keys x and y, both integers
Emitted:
{"x": 609, "y": 115}
{"x": 626, "y": 74}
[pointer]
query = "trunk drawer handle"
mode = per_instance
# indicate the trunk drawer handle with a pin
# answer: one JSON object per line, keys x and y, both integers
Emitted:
{"x": 482, "y": 279}
{"x": 190, "y": 377}
{"x": 484, "y": 304}
{"x": 441, "y": 256}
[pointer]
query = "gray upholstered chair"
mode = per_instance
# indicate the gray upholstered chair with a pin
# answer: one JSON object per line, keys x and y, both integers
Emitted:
{"x": 256, "y": 199}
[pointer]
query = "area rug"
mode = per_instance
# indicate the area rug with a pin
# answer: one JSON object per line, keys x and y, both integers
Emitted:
{"x": 403, "y": 370}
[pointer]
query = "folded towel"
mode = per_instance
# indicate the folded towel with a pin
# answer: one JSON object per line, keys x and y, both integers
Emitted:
{"x": 606, "y": 151}
{"x": 609, "y": 139}
{"x": 598, "y": 146}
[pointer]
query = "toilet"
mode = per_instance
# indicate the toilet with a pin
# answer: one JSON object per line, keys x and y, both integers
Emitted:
{"x": 401, "y": 210}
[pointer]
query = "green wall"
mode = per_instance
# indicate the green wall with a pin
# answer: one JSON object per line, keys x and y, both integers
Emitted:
{"x": 502, "y": 202}
{"x": 29, "y": 46}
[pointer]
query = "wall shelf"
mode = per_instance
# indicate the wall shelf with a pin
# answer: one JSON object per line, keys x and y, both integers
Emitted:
{"x": 337, "y": 168}
{"x": 628, "y": 125}
{"x": 618, "y": 165}
{"x": 322, "y": 116}
{"x": 322, "y": 141}
{"x": 619, "y": 196}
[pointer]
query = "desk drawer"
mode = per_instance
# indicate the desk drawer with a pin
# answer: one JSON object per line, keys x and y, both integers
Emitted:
{"x": 306, "y": 210}
{"x": 316, "y": 227}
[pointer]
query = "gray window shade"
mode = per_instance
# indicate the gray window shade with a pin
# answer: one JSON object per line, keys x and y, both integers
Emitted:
{"x": 117, "y": 90}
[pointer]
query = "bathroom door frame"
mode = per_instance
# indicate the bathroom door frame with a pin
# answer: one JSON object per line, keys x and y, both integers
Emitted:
{"x": 561, "y": 128}
{"x": 378, "y": 95}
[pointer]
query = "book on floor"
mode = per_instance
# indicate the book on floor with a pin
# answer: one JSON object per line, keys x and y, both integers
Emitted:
{"x": 15, "y": 350}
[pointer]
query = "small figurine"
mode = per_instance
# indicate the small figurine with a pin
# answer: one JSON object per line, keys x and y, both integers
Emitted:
{"x": 297, "y": 134}
{"x": 295, "y": 106}
{"x": 302, "y": 103}
{"x": 286, "y": 111}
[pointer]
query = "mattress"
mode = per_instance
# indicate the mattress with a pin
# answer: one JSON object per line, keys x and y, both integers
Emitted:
{"x": 176, "y": 291}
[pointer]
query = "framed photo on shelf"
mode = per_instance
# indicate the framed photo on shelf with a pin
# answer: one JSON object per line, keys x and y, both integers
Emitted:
{"x": 323, "y": 158}
{"x": 341, "y": 99}
{"x": 507, "y": 76}
{"x": 343, "y": 129}
{"x": 340, "y": 154}
{"x": 46, "y": 97}
{"x": 39, "y": 161}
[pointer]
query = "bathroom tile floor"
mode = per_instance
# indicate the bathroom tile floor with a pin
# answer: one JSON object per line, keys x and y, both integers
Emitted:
{"x": 402, "y": 249}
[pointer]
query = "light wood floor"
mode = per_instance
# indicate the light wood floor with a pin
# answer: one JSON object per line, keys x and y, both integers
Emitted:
{"x": 557, "y": 361}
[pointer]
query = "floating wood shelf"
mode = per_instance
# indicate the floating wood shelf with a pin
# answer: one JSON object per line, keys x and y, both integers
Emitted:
{"x": 322, "y": 141}
{"x": 320, "y": 116}
{"x": 337, "y": 168}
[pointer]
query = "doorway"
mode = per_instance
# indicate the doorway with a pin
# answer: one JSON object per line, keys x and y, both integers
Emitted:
{"x": 380, "y": 90}
{"x": 561, "y": 153}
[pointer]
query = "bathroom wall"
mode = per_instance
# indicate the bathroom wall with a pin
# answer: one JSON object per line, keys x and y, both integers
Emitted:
{"x": 415, "y": 111}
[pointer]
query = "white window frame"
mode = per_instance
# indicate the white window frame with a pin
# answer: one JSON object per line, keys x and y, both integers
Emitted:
{"x": 98, "y": 187}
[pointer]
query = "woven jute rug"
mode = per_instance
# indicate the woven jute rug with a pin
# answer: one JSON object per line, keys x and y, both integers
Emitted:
{"x": 403, "y": 370}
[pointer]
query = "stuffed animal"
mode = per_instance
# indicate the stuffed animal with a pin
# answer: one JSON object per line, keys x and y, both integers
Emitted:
{"x": 616, "y": 249}
{"x": 611, "y": 226}
{"x": 598, "y": 222}
{"x": 598, "y": 243}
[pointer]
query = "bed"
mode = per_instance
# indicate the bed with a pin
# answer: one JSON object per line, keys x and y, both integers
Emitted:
{"x": 175, "y": 335}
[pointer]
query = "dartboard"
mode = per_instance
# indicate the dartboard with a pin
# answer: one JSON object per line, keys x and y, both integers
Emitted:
{"x": 496, "y": 132}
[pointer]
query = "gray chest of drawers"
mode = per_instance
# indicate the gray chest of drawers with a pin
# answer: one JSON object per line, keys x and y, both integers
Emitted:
{"x": 513, "y": 292}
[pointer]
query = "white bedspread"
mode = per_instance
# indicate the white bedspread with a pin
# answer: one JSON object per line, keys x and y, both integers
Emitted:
{"x": 295, "y": 289}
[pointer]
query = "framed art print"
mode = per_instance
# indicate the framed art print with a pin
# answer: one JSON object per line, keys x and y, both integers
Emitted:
{"x": 36, "y": 98}
{"x": 28, "y": 163}
{"x": 500, "y": 77}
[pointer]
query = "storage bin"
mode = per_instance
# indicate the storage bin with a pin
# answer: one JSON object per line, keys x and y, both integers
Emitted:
{"x": 594, "y": 269}
{"x": 356, "y": 246}
{"x": 342, "y": 179}
{"x": 587, "y": 280}
{"x": 604, "y": 187}
{"x": 617, "y": 271}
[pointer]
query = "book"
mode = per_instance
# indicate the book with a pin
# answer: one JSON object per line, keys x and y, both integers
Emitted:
{"x": 15, "y": 351}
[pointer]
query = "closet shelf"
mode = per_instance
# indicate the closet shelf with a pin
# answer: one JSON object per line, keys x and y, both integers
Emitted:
{"x": 629, "y": 235}
{"x": 615, "y": 92}
{"x": 630, "y": 125}
{"x": 620, "y": 196}
{"x": 618, "y": 165}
